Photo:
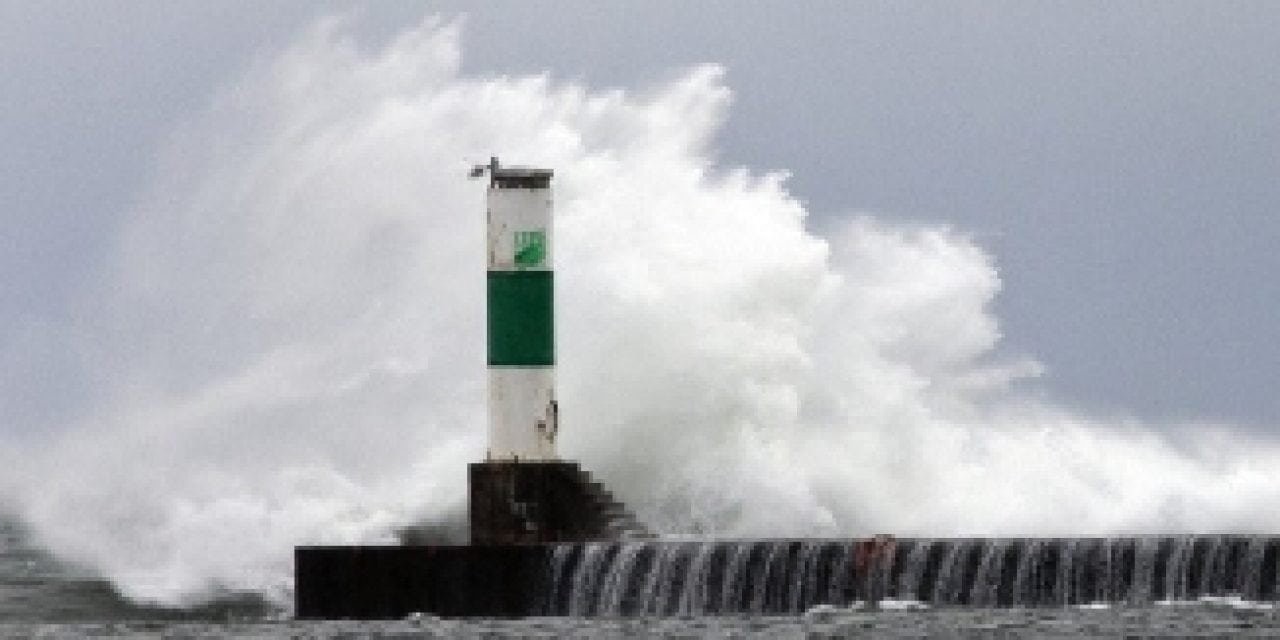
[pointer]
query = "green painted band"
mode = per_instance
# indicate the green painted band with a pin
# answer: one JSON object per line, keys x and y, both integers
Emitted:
{"x": 521, "y": 318}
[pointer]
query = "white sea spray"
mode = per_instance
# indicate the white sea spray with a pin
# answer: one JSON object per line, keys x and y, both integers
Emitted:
{"x": 290, "y": 340}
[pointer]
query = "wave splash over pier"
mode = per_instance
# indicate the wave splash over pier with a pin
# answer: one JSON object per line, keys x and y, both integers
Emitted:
{"x": 792, "y": 576}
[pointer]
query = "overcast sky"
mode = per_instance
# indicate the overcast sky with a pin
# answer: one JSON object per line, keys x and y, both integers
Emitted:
{"x": 1120, "y": 160}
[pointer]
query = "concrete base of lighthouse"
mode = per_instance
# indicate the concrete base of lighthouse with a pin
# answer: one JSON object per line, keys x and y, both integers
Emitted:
{"x": 541, "y": 502}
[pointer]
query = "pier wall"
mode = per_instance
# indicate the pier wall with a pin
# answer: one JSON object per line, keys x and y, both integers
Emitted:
{"x": 659, "y": 577}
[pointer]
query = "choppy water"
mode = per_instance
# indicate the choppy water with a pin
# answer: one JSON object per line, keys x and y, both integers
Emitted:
{"x": 1190, "y": 621}
{"x": 43, "y": 598}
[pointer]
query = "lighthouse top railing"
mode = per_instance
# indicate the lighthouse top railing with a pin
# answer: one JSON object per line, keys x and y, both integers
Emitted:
{"x": 513, "y": 177}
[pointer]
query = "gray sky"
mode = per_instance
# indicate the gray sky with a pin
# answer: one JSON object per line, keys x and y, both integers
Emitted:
{"x": 1120, "y": 160}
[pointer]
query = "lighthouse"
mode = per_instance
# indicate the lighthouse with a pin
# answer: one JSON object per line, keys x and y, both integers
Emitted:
{"x": 523, "y": 413}
{"x": 522, "y": 498}
{"x": 523, "y": 492}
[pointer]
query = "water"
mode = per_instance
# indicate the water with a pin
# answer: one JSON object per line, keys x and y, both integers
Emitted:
{"x": 1187, "y": 621}
{"x": 37, "y": 589}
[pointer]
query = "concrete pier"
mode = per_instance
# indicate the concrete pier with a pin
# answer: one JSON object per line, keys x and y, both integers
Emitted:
{"x": 650, "y": 577}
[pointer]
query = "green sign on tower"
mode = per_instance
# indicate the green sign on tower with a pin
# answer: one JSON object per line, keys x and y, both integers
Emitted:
{"x": 531, "y": 248}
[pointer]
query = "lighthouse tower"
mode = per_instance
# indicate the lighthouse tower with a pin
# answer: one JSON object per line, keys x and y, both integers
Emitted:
{"x": 523, "y": 414}
{"x": 522, "y": 492}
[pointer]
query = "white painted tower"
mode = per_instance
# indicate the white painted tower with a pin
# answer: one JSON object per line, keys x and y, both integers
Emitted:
{"x": 523, "y": 414}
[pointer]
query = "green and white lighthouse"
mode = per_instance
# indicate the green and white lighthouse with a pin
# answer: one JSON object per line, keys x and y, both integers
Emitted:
{"x": 523, "y": 414}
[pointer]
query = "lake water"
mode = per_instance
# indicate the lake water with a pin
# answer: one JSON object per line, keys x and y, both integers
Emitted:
{"x": 1191, "y": 621}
